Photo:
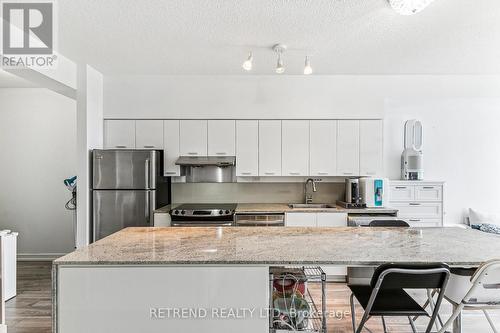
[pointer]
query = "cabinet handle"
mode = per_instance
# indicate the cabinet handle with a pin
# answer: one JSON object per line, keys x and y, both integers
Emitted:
{"x": 414, "y": 204}
{"x": 149, "y": 146}
{"x": 347, "y": 173}
{"x": 428, "y": 187}
{"x": 371, "y": 173}
{"x": 401, "y": 187}
{"x": 414, "y": 220}
{"x": 170, "y": 172}
{"x": 295, "y": 173}
{"x": 246, "y": 173}
{"x": 220, "y": 153}
{"x": 120, "y": 146}
{"x": 269, "y": 173}
{"x": 323, "y": 173}
{"x": 192, "y": 153}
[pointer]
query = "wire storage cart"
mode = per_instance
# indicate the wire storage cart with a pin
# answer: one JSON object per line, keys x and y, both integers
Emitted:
{"x": 292, "y": 306}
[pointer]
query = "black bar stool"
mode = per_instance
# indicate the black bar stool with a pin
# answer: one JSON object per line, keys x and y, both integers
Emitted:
{"x": 385, "y": 296}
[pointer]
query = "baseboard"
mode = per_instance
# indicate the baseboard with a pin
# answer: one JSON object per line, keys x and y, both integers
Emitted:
{"x": 38, "y": 256}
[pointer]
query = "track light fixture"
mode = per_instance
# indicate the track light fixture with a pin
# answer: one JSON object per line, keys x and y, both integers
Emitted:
{"x": 279, "y": 49}
{"x": 247, "y": 65}
{"x": 307, "y": 67}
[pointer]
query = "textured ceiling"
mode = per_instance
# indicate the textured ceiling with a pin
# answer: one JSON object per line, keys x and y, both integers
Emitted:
{"x": 342, "y": 36}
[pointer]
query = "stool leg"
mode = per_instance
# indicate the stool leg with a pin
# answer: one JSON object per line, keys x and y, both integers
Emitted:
{"x": 412, "y": 324}
{"x": 486, "y": 314}
{"x": 353, "y": 314}
{"x": 384, "y": 325}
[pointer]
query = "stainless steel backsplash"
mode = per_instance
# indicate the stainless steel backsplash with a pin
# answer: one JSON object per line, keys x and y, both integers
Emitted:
{"x": 254, "y": 192}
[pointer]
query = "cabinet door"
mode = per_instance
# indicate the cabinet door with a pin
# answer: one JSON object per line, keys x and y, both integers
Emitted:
{"x": 348, "y": 147}
{"x": 247, "y": 148}
{"x": 149, "y": 134}
{"x": 295, "y": 147}
{"x": 323, "y": 147}
{"x": 402, "y": 192}
{"x": 332, "y": 220}
{"x": 300, "y": 219}
{"x": 270, "y": 147}
{"x": 428, "y": 193}
{"x": 371, "y": 148}
{"x": 119, "y": 134}
{"x": 193, "y": 137}
{"x": 221, "y": 137}
{"x": 171, "y": 147}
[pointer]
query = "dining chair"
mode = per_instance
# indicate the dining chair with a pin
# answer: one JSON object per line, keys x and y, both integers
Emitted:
{"x": 386, "y": 295}
{"x": 479, "y": 291}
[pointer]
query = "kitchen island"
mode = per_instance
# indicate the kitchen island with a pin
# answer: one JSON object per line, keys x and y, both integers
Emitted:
{"x": 165, "y": 279}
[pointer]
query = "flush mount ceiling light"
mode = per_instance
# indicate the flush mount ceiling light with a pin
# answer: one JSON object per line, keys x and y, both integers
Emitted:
{"x": 279, "y": 49}
{"x": 307, "y": 67}
{"x": 247, "y": 65}
{"x": 409, "y": 7}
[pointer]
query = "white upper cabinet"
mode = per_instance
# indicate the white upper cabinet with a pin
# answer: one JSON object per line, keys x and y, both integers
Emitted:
{"x": 149, "y": 134}
{"x": 193, "y": 138}
{"x": 323, "y": 147}
{"x": 221, "y": 137}
{"x": 348, "y": 147}
{"x": 270, "y": 147}
{"x": 119, "y": 134}
{"x": 371, "y": 146}
{"x": 247, "y": 148}
{"x": 171, "y": 147}
{"x": 295, "y": 147}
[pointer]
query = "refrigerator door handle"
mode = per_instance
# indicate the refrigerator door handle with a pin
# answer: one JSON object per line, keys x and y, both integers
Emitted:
{"x": 147, "y": 207}
{"x": 148, "y": 171}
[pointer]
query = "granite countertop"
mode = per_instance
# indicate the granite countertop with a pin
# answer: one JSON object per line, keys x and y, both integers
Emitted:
{"x": 287, "y": 245}
{"x": 283, "y": 208}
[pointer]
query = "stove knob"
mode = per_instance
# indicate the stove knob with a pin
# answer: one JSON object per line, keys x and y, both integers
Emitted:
{"x": 176, "y": 212}
{"x": 183, "y": 212}
{"x": 221, "y": 212}
{"x": 227, "y": 212}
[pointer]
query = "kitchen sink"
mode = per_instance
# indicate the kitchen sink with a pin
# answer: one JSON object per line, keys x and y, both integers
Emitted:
{"x": 295, "y": 205}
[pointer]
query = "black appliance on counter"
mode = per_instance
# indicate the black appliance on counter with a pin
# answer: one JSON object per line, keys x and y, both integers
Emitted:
{"x": 352, "y": 194}
{"x": 203, "y": 215}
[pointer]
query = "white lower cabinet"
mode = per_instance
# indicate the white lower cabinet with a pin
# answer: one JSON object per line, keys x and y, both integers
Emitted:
{"x": 420, "y": 203}
{"x": 326, "y": 219}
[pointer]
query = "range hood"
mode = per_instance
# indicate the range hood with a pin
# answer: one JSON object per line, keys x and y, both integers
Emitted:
{"x": 208, "y": 169}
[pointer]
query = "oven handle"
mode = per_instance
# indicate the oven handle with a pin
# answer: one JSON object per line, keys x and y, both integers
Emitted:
{"x": 190, "y": 224}
{"x": 279, "y": 222}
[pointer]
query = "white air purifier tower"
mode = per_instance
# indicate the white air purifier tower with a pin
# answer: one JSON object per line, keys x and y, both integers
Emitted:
{"x": 412, "y": 157}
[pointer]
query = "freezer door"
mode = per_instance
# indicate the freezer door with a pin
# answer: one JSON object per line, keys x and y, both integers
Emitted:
{"x": 125, "y": 169}
{"x": 115, "y": 210}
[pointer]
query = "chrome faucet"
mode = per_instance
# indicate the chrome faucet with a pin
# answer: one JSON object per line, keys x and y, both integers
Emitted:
{"x": 308, "y": 194}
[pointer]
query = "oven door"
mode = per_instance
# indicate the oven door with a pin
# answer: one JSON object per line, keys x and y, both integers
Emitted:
{"x": 201, "y": 223}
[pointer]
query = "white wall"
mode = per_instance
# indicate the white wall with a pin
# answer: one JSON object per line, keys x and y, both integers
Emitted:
{"x": 37, "y": 152}
{"x": 459, "y": 113}
{"x": 461, "y": 138}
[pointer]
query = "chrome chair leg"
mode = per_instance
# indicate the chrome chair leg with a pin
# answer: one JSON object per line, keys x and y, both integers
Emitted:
{"x": 384, "y": 325}
{"x": 353, "y": 314}
{"x": 412, "y": 324}
{"x": 487, "y": 315}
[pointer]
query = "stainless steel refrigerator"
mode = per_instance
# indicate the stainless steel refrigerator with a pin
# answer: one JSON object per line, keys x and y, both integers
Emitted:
{"x": 127, "y": 187}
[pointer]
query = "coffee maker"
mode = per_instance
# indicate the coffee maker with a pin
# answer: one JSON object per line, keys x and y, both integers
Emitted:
{"x": 352, "y": 194}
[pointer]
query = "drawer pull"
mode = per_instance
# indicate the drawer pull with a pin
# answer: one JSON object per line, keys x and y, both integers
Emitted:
{"x": 401, "y": 187}
{"x": 414, "y": 220}
{"x": 246, "y": 173}
{"x": 414, "y": 204}
{"x": 170, "y": 172}
{"x": 149, "y": 146}
{"x": 347, "y": 173}
{"x": 428, "y": 187}
{"x": 120, "y": 146}
{"x": 220, "y": 153}
{"x": 269, "y": 173}
{"x": 323, "y": 173}
{"x": 192, "y": 153}
{"x": 295, "y": 173}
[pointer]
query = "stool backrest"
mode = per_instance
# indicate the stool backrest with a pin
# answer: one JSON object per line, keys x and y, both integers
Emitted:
{"x": 388, "y": 223}
{"x": 485, "y": 284}
{"x": 410, "y": 276}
